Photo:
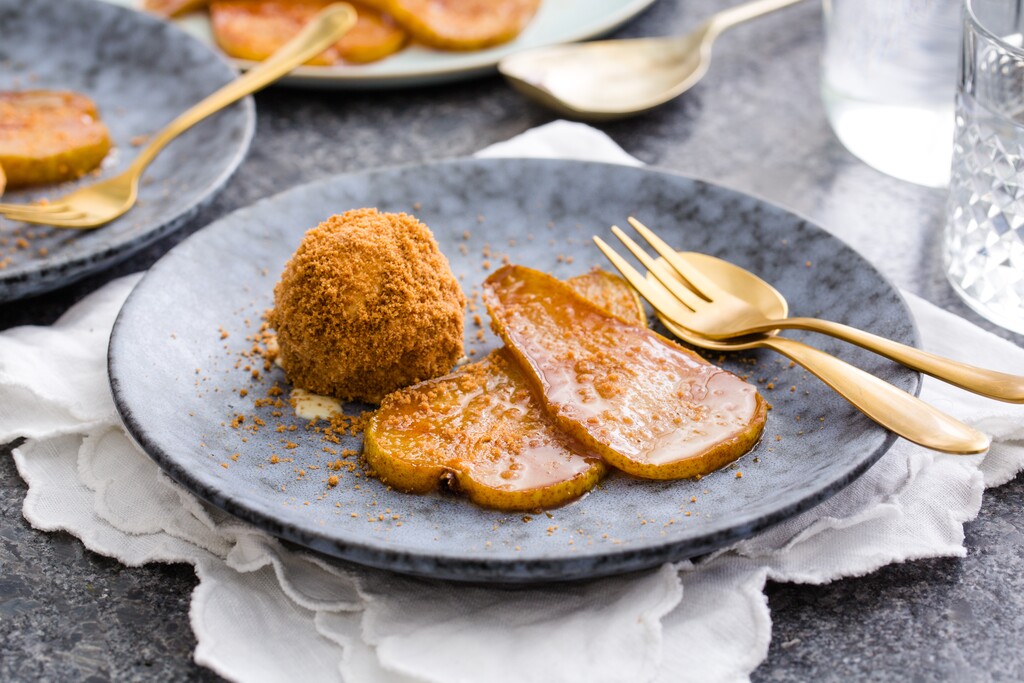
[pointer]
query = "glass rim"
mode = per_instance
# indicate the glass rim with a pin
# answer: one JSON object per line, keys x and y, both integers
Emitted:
{"x": 980, "y": 28}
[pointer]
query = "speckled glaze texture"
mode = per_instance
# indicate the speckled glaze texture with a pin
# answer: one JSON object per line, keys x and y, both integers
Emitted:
{"x": 141, "y": 72}
{"x": 536, "y": 212}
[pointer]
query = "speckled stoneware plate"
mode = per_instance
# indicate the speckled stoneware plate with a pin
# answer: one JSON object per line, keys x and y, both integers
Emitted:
{"x": 177, "y": 364}
{"x": 141, "y": 72}
{"x": 557, "y": 21}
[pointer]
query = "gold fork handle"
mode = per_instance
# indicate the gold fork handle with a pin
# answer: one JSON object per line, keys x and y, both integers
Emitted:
{"x": 324, "y": 30}
{"x": 893, "y": 408}
{"x": 998, "y": 385}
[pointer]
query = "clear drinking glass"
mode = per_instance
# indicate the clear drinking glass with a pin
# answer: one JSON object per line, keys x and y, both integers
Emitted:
{"x": 888, "y": 75}
{"x": 984, "y": 235}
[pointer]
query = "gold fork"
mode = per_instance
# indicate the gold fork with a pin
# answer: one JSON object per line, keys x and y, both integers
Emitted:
{"x": 101, "y": 203}
{"x": 893, "y": 408}
{"x": 715, "y": 312}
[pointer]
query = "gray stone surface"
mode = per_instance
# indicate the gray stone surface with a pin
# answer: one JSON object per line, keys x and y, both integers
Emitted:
{"x": 755, "y": 124}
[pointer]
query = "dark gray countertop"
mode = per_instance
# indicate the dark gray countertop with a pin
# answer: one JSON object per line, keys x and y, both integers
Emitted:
{"x": 755, "y": 124}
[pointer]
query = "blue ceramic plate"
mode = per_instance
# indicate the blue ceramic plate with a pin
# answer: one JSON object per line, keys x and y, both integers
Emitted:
{"x": 141, "y": 72}
{"x": 176, "y": 381}
{"x": 556, "y": 21}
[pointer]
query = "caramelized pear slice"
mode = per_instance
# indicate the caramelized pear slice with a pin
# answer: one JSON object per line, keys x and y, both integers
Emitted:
{"x": 483, "y": 432}
{"x": 49, "y": 136}
{"x": 412, "y": 450}
{"x": 461, "y": 24}
{"x": 173, "y": 8}
{"x": 645, "y": 404}
{"x": 255, "y": 29}
{"x": 611, "y": 293}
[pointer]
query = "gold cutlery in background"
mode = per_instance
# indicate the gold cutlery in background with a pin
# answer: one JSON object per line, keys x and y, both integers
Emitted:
{"x": 98, "y": 204}
{"x": 611, "y": 79}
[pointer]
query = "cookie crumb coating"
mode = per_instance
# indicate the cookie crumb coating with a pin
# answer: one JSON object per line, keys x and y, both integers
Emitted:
{"x": 367, "y": 304}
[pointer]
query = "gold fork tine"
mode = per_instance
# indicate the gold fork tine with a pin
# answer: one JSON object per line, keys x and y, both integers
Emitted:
{"x": 63, "y": 214}
{"x": 697, "y": 281}
{"x": 659, "y": 297}
{"x": 59, "y": 221}
{"x": 32, "y": 208}
{"x": 673, "y": 285}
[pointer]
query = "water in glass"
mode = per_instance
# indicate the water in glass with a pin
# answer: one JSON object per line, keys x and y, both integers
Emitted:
{"x": 888, "y": 83}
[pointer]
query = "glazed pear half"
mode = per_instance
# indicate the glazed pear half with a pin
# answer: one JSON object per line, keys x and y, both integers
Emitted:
{"x": 646, "y": 405}
{"x": 460, "y": 24}
{"x": 483, "y": 431}
{"x": 49, "y": 136}
{"x": 256, "y": 29}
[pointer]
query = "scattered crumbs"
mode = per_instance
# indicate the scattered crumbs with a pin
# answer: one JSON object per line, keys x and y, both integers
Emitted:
{"x": 808, "y": 264}
{"x": 739, "y": 475}
{"x": 332, "y": 480}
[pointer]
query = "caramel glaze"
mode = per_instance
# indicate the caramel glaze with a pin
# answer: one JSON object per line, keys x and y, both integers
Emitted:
{"x": 648, "y": 406}
{"x": 482, "y": 431}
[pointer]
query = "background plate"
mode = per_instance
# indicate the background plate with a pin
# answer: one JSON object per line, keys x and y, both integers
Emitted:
{"x": 176, "y": 381}
{"x": 141, "y": 72}
{"x": 557, "y": 21}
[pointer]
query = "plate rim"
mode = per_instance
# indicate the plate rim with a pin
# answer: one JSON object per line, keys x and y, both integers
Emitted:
{"x": 387, "y": 555}
{"x": 474, "y": 64}
{"x": 48, "y": 269}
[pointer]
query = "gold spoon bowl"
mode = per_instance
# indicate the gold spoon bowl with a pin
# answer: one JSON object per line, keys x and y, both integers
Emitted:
{"x": 612, "y": 79}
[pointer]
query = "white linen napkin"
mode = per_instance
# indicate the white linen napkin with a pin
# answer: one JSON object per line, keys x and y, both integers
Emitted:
{"x": 262, "y": 612}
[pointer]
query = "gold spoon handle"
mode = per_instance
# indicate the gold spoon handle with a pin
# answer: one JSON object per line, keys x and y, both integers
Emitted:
{"x": 324, "y": 30}
{"x": 893, "y": 408}
{"x": 726, "y": 19}
{"x": 998, "y": 385}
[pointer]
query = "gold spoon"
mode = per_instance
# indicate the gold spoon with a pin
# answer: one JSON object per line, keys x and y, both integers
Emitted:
{"x": 889, "y": 406}
{"x": 98, "y": 204}
{"x": 611, "y": 79}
